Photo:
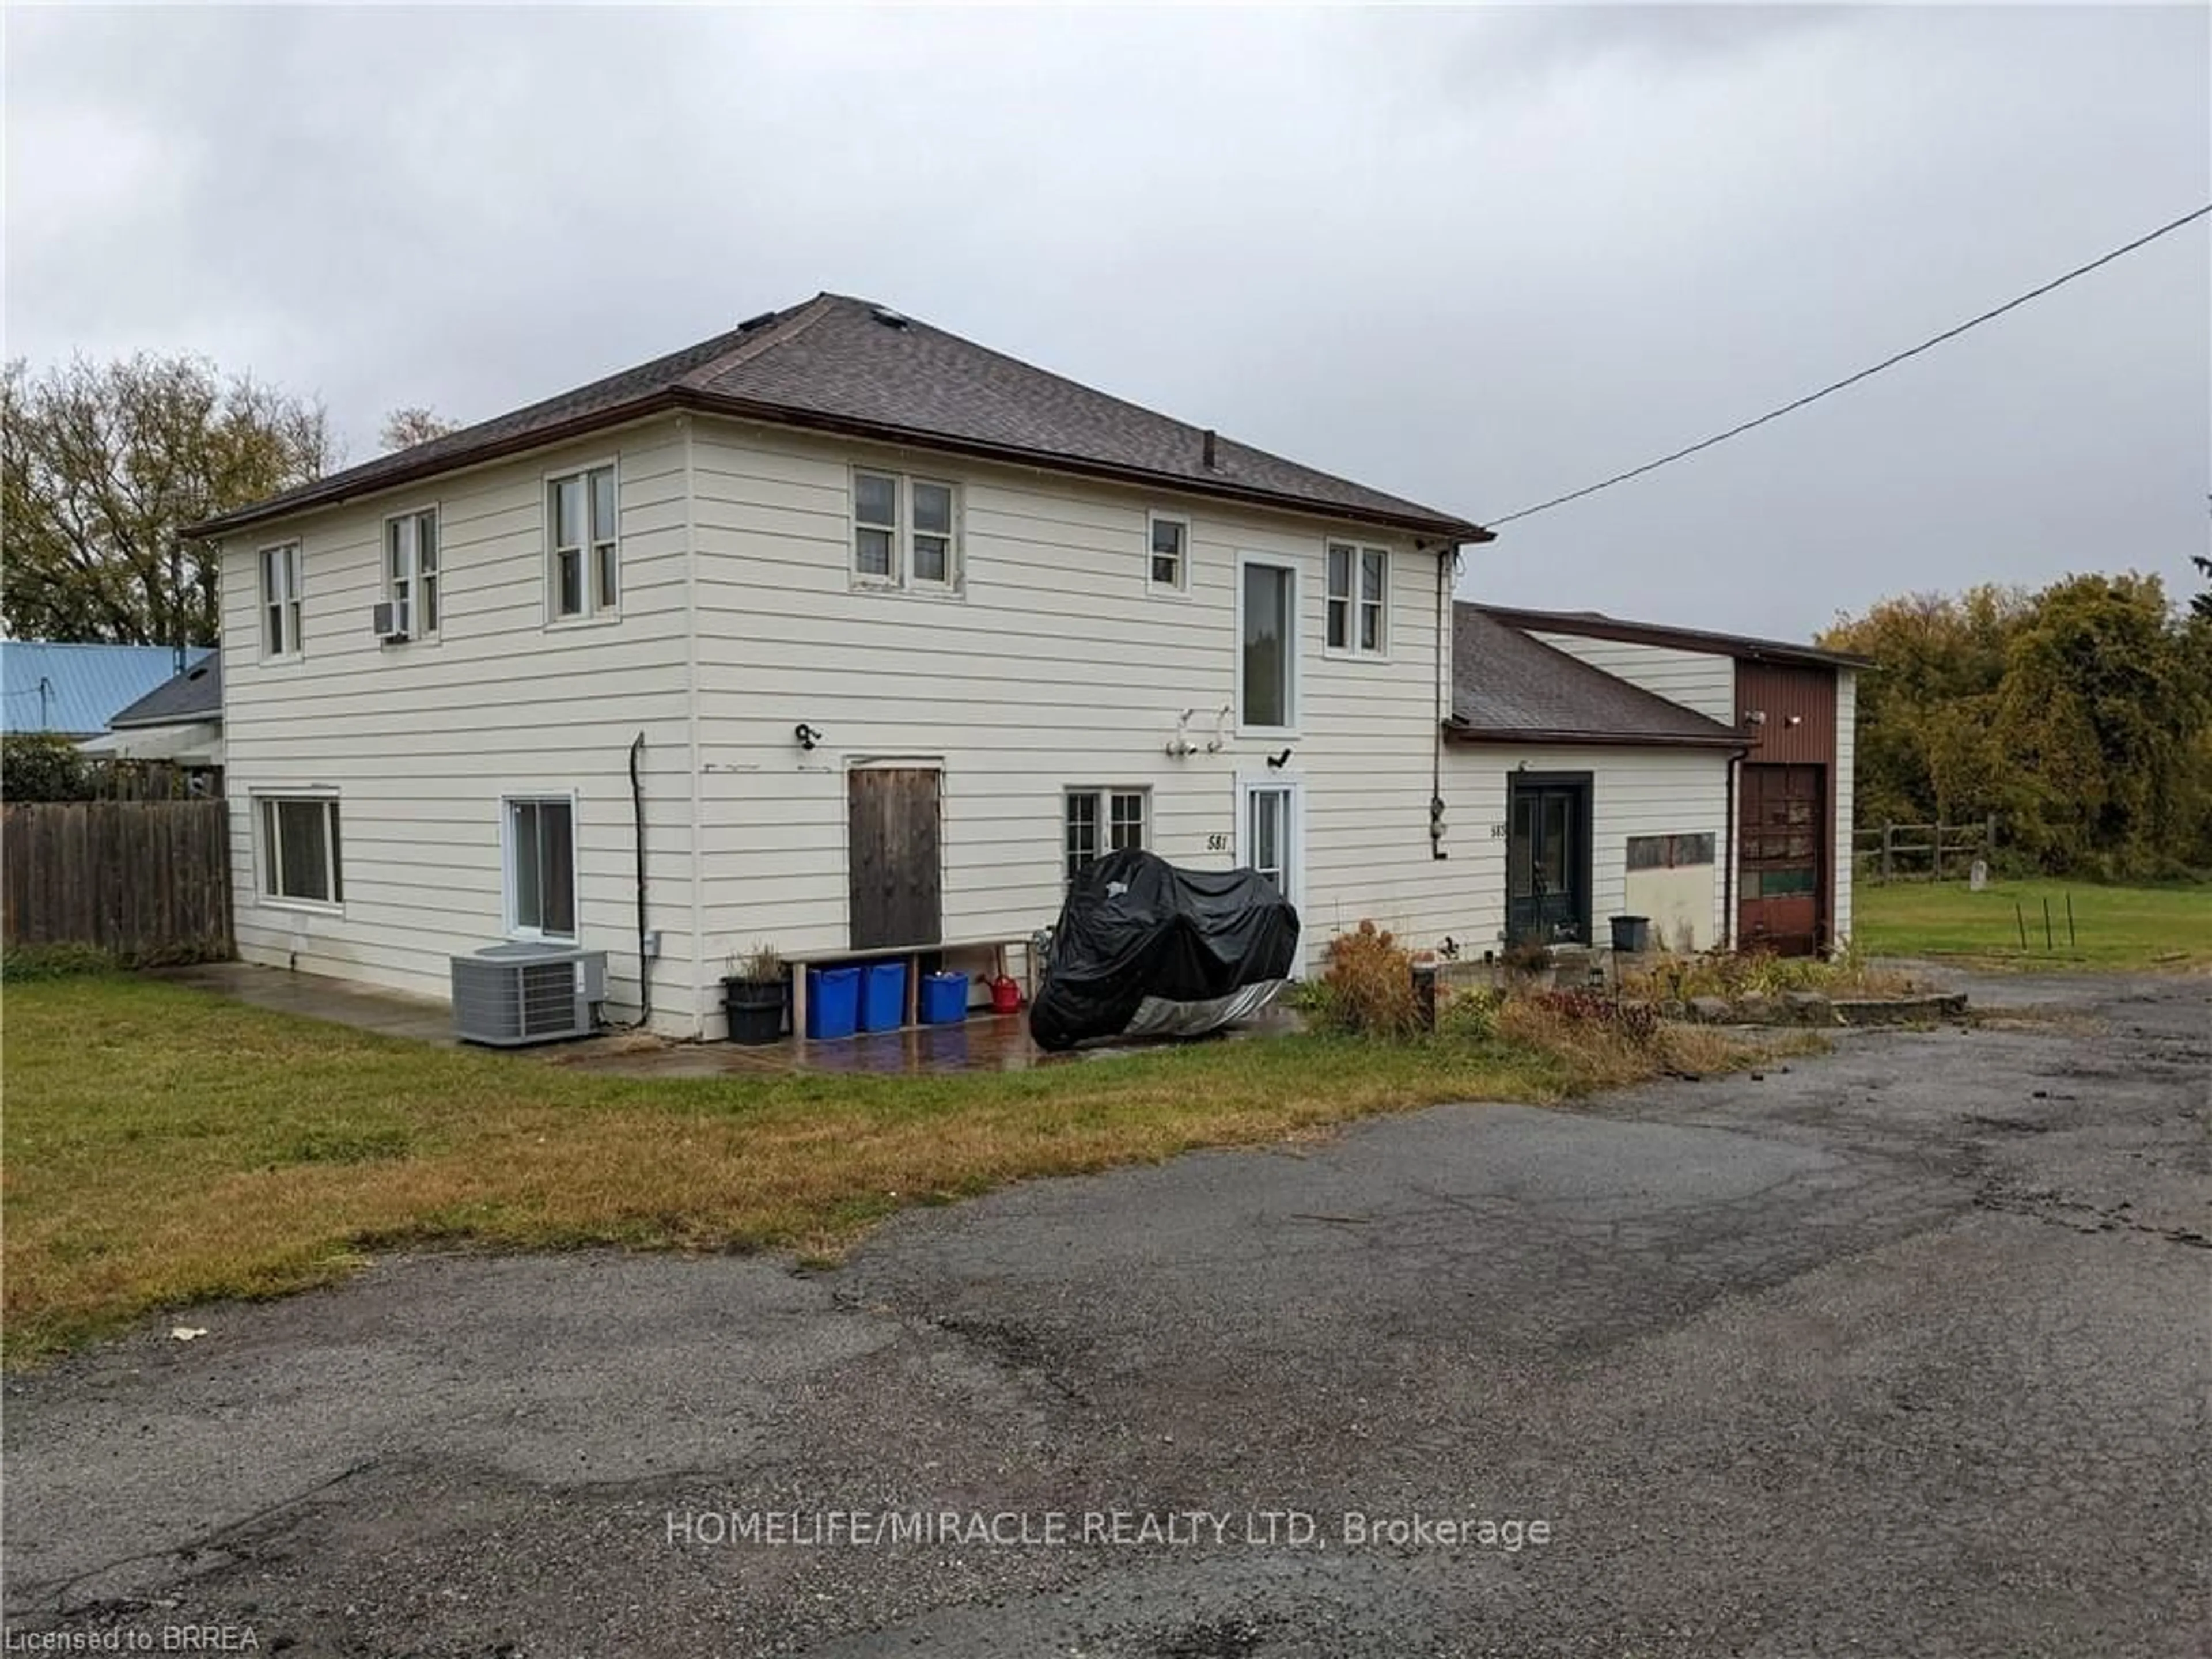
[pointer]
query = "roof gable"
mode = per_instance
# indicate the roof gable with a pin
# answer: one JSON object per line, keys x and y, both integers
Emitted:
{"x": 845, "y": 365}
{"x": 194, "y": 695}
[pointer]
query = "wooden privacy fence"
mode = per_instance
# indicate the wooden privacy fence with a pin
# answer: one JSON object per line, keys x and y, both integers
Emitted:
{"x": 148, "y": 880}
{"x": 1922, "y": 851}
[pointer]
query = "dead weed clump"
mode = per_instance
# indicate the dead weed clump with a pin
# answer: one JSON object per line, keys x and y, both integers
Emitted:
{"x": 1599, "y": 1043}
{"x": 1733, "y": 974}
{"x": 1368, "y": 988}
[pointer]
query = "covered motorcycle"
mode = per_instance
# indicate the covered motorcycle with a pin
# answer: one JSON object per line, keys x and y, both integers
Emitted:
{"x": 1192, "y": 949}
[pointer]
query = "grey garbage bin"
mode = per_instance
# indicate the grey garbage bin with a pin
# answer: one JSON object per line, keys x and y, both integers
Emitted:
{"x": 1632, "y": 934}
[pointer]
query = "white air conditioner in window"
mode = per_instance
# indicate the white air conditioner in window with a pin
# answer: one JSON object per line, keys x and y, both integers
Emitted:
{"x": 388, "y": 619}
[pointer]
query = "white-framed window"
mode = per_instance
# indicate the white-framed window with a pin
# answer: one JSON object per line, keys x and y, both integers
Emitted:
{"x": 297, "y": 844}
{"x": 906, "y": 532}
{"x": 410, "y": 570}
{"x": 1098, "y": 822}
{"x": 540, "y": 837}
{"x": 1267, "y": 645}
{"x": 1359, "y": 601}
{"x": 280, "y": 601}
{"x": 583, "y": 545}
{"x": 1167, "y": 553}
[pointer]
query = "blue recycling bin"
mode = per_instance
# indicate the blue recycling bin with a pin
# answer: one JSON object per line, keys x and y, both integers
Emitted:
{"x": 883, "y": 996}
{"x": 944, "y": 999}
{"x": 833, "y": 1001}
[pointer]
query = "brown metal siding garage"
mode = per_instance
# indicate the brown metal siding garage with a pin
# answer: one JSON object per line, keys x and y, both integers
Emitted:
{"x": 1786, "y": 807}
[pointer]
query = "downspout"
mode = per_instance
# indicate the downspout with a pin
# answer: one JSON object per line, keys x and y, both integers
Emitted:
{"x": 637, "y": 820}
{"x": 1447, "y": 559}
{"x": 1727, "y": 861}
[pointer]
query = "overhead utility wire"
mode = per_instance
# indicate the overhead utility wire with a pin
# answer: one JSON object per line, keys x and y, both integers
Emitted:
{"x": 1853, "y": 379}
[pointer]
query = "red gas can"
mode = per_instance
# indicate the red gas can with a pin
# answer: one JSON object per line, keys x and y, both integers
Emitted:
{"x": 1006, "y": 995}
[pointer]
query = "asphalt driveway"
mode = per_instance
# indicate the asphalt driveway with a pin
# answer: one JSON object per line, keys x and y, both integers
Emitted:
{"x": 1903, "y": 1351}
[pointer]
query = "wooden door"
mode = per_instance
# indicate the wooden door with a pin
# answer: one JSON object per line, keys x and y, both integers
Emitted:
{"x": 892, "y": 857}
{"x": 1778, "y": 873}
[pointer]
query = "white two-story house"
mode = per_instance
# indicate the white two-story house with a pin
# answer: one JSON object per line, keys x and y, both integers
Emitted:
{"x": 837, "y": 633}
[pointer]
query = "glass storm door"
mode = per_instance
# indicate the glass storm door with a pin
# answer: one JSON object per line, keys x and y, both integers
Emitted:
{"x": 1267, "y": 835}
{"x": 1545, "y": 861}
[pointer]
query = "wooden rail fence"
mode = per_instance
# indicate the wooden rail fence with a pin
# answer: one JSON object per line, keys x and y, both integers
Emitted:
{"x": 148, "y": 880}
{"x": 1923, "y": 852}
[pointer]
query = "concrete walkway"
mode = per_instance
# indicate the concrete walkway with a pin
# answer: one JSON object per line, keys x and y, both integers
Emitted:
{"x": 341, "y": 1001}
{"x": 984, "y": 1042}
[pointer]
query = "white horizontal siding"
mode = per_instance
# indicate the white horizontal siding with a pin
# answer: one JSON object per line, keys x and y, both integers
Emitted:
{"x": 1696, "y": 679}
{"x": 1053, "y": 667}
{"x": 1633, "y": 792}
{"x": 422, "y": 741}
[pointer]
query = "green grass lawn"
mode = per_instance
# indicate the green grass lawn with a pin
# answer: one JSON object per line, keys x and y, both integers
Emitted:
{"x": 164, "y": 1146}
{"x": 2163, "y": 927}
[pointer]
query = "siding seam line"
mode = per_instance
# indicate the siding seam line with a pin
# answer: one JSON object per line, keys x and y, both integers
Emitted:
{"x": 691, "y": 719}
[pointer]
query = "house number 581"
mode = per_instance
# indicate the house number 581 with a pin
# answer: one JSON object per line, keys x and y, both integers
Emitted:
{"x": 1216, "y": 843}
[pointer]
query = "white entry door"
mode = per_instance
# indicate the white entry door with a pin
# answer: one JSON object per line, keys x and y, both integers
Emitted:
{"x": 1271, "y": 833}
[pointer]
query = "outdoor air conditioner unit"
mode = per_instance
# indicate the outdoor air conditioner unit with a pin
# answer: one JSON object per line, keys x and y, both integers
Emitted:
{"x": 507, "y": 995}
{"x": 388, "y": 619}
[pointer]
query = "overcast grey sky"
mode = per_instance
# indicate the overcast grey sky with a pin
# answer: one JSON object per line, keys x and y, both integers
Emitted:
{"x": 1478, "y": 257}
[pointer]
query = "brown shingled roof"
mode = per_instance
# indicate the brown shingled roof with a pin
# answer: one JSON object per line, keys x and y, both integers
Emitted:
{"x": 1509, "y": 688}
{"x": 844, "y": 365}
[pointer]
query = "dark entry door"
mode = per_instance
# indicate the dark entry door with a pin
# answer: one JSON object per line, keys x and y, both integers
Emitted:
{"x": 892, "y": 849}
{"x": 1547, "y": 861}
{"x": 1779, "y": 876}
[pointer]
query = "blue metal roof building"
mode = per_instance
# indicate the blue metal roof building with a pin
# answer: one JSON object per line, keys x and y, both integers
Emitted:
{"x": 76, "y": 688}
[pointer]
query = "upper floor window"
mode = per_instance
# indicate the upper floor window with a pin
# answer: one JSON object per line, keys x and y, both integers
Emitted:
{"x": 905, "y": 531}
{"x": 1101, "y": 821}
{"x": 1169, "y": 569}
{"x": 583, "y": 573}
{"x": 1267, "y": 681}
{"x": 1359, "y": 579}
{"x": 280, "y": 601}
{"x": 410, "y": 570}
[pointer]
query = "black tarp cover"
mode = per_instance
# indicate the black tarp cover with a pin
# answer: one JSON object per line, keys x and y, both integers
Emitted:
{"x": 1135, "y": 927}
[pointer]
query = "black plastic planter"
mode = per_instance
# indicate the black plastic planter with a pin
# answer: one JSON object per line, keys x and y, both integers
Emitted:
{"x": 755, "y": 1008}
{"x": 1631, "y": 935}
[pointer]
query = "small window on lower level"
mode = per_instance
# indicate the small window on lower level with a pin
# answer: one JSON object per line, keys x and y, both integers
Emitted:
{"x": 541, "y": 867}
{"x": 1101, "y": 821}
{"x": 1669, "y": 851}
{"x": 300, "y": 855}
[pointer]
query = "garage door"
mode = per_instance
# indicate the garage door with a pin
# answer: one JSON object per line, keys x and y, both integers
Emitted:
{"x": 1778, "y": 879}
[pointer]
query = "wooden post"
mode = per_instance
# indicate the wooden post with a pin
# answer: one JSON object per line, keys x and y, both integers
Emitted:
{"x": 1889, "y": 848}
{"x": 2047, "y": 945}
{"x": 2019, "y": 920}
{"x": 1936, "y": 850}
{"x": 2069, "y": 919}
